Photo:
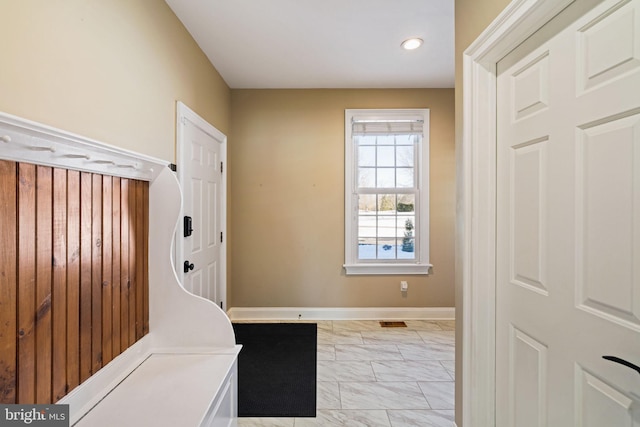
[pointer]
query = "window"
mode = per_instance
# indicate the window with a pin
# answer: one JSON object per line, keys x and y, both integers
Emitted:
{"x": 387, "y": 191}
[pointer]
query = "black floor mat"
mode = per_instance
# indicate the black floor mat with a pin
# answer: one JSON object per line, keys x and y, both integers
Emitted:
{"x": 277, "y": 369}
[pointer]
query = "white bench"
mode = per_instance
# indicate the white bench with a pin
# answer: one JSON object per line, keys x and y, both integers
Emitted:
{"x": 172, "y": 390}
{"x": 184, "y": 372}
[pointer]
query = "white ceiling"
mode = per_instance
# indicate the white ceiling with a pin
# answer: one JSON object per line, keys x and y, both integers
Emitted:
{"x": 324, "y": 43}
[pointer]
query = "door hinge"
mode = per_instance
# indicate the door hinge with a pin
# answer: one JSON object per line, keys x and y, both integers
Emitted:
{"x": 221, "y": 305}
{"x": 221, "y": 237}
{"x": 173, "y": 167}
{"x": 221, "y": 167}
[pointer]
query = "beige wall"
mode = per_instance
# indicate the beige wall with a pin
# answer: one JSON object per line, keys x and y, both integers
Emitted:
{"x": 287, "y": 200}
{"x": 111, "y": 70}
{"x": 472, "y": 17}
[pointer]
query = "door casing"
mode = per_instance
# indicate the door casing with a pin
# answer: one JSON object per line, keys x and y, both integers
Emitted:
{"x": 477, "y": 200}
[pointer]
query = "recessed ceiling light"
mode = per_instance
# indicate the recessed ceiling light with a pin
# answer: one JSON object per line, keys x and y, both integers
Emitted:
{"x": 411, "y": 44}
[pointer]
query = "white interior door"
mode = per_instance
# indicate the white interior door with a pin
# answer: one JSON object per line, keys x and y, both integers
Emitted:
{"x": 568, "y": 224}
{"x": 200, "y": 252}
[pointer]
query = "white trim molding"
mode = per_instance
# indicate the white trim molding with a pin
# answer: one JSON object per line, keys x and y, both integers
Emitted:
{"x": 341, "y": 313}
{"x": 394, "y": 269}
{"x": 23, "y": 140}
{"x": 514, "y": 25}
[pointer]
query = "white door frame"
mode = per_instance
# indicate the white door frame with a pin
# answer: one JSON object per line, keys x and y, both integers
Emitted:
{"x": 184, "y": 114}
{"x": 515, "y": 24}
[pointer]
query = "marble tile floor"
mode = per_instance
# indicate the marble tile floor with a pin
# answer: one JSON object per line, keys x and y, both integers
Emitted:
{"x": 369, "y": 376}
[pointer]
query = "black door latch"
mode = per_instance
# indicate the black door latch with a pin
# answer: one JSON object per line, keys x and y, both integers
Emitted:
{"x": 188, "y": 226}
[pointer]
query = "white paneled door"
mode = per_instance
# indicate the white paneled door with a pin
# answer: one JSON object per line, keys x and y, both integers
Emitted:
{"x": 199, "y": 259}
{"x": 568, "y": 224}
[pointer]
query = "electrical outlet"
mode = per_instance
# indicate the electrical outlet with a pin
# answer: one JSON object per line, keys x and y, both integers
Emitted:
{"x": 404, "y": 286}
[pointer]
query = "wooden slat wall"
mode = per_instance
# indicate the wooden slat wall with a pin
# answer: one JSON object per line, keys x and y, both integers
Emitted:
{"x": 59, "y": 289}
{"x": 26, "y": 303}
{"x": 85, "y": 275}
{"x": 124, "y": 268}
{"x": 44, "y": 338}
{"x": 74, "y": 289}
{"x": 8, "y": 282}
{"x": 73, "y": 279}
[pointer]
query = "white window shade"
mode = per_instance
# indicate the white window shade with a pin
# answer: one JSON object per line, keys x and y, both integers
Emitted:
{"x": 380, "y": 127}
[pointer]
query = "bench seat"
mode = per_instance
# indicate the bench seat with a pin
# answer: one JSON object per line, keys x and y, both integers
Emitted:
{"x": 171, "y": 390}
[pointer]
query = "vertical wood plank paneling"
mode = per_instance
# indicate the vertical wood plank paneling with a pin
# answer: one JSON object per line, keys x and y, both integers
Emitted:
{"x": 96, "y": 274}
{"x": 26, "y": 283}
{"x": 8, "y": 282}
{"x": 74, "y": 284}
{"x": 124, "y": 267}
{"x": 107, "y": 241}
{"x": 59, "y": 287}
{"x": 73, "y": 279}
{"x": 145, "y": 260}
{"x": 140, "y": 238}
{"x": 86, "y": 251}
{"x": 115, "y": 293}
{"x": 133, "y": 283}
{"x": 44, "y": 336}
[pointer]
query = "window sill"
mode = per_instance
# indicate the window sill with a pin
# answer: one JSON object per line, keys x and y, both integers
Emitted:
{"x": 379, "y": 269}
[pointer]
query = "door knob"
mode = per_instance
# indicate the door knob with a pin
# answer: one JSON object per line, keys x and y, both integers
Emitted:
{"x": 188, "y": 266}
{"x": 623, "y": 362}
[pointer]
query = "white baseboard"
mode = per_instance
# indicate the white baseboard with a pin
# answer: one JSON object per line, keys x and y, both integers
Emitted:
{"x": 341, "y": 313}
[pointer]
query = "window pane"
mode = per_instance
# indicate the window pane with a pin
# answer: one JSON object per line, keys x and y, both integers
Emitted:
{"x": 386, "y": 203}
{"x": 367, "y": 219}
{"x": 406, "y": 226}
{"x": 367, "y": 249}
{"x": 385, "y": 140}
{"x": 385, "y": 177}
{"x": 366, "y": 156}
{"x": 404, "y": 156}
{"x": 406, "y": 204}
{"x": 387, "y": 226}
{"x": 387, "y": 248}
{"x": 386, "y": 156}
{"x": 405, "y": 139}
{"x": 367, "y": 204}
{"x": 366, "y": 227}
{"x": 406, "y": 249}
{"x": 404, "y": 178}
{"x": 366, "y": 178}
{"x": 386, "y": 229}
{"x": 365, "y": 140}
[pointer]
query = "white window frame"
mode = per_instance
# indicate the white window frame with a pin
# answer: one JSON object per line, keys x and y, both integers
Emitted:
{"x": 352, "y": 265}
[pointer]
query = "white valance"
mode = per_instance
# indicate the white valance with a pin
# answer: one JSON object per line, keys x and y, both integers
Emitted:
{"x": 386, "y": 127}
